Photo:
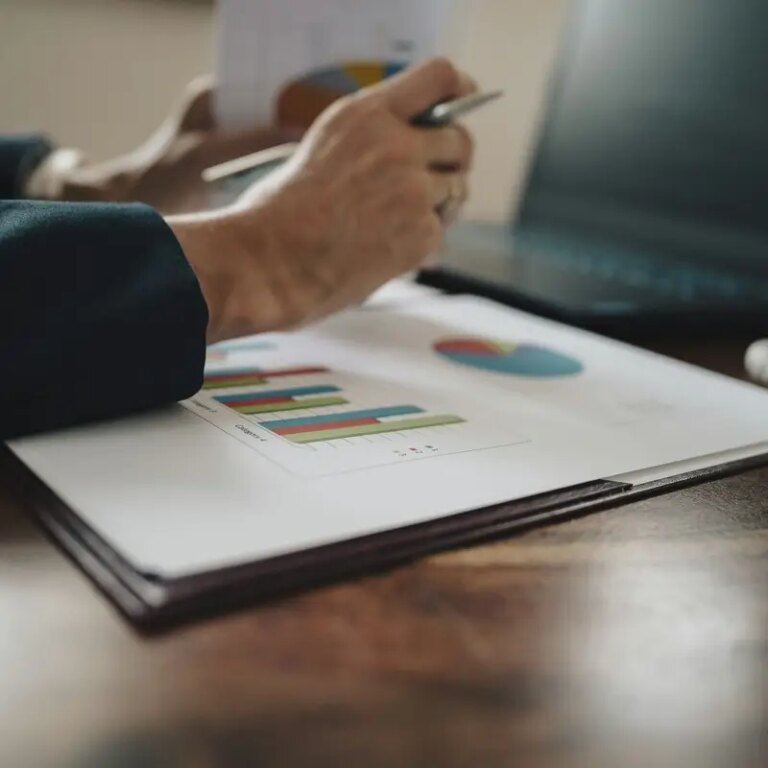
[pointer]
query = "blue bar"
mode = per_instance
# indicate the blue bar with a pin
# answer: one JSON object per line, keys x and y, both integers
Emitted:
{"x": 248, "y": 346}
{"x": 297, "y": 392}
{"x": 375, "y": 413}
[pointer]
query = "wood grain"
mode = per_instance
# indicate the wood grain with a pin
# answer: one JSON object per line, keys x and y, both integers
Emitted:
{"x": 634, "y": 637}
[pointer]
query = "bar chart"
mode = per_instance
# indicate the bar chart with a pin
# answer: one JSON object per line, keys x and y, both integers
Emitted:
{"x": 296, "y": 399}
{"x": 307, "y": 410}
{"x": 375, "y": 421}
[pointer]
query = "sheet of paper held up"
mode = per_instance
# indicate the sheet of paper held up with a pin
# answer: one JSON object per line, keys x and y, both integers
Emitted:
{"x": 291, "y": 57}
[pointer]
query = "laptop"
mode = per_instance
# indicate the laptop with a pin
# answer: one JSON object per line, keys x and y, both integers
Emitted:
{"x": 647, "y": 198}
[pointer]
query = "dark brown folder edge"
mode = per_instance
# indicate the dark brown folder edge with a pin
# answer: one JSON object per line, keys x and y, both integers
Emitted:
{"x": 154, "y": 604}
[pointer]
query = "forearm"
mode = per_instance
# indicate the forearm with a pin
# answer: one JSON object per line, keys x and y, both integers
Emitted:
{"x": 100, "y": 315}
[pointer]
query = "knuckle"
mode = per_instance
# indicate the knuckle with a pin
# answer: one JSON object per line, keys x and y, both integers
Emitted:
{"x": 446, "y": 74}
{"x": 361, "y": 106}
{"x": 342, "y": 110}
{"x": 348, "y": 111}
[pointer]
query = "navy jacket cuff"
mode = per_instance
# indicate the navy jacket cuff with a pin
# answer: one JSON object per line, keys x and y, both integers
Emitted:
{"x": 19, "y": 156}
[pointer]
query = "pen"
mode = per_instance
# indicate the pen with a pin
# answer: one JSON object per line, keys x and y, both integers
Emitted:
{"x": 438, "y": 116}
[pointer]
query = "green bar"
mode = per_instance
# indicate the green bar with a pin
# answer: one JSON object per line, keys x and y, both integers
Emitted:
{"x": 294, "y": 405}
{"x": 373, "y": 429}
{"x": 246, "y": 381}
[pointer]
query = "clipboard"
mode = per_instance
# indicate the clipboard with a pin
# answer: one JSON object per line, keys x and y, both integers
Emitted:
{"x": 374, "y": 438}
{"x": 155, "y": 605}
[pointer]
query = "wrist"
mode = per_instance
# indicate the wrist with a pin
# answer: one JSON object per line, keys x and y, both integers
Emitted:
{"x": 281, "y": 257}
{"x": 239, "y": 271}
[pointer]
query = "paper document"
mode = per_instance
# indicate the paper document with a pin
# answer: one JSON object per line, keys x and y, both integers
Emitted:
{"x": 399, "y": 291}
{"x": 382, "y": 418}
{"x": 288, "y": 59}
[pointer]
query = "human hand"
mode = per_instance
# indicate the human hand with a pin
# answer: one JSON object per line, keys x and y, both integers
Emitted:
{"x": 365, "y": 199}
{"x": 165, "y": 172}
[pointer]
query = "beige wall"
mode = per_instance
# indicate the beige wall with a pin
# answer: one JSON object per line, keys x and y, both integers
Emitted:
{"x": 100, "y": 74}
{"x": 509, "y": 44}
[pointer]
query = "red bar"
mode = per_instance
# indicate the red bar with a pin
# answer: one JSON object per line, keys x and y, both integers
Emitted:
{"x": 257, "y": 401}
{"x": 291, "y": 372}
{"x": 323, "y": 427}
{"x": 216, "y": 377}
{"x": 467, "y": 346}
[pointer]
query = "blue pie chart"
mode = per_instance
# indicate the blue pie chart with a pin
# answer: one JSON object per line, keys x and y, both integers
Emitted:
{"x": 525, "y": 359}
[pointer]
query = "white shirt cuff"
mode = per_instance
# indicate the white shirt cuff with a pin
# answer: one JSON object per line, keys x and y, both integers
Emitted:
{"x": 47, "y": 180}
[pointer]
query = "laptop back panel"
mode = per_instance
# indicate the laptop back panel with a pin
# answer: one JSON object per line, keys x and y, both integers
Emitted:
{"x": 656, "y": 141}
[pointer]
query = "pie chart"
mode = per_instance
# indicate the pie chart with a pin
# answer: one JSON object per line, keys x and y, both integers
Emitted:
{"x": 302, "y": 100}
{"x": 524, "y": 359}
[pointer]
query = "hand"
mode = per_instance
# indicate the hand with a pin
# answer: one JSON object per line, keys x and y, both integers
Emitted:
{"x": 165, "y": 172}
{"x": 358, "y": 205}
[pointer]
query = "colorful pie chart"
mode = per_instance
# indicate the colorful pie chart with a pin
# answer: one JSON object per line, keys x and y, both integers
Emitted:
{"x": 529, "y": 360}
{"x": 301, "y": 101}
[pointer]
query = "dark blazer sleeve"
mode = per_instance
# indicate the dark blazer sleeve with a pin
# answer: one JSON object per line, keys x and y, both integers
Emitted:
{"x": 100, "y": 314}
{"x": 19, "y": 156}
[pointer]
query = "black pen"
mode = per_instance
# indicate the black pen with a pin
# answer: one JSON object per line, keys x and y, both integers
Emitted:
{"x": 439, "y": 116}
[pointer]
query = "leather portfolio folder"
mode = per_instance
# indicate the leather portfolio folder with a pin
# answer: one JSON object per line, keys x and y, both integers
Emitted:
{"x": 154, "y": 604}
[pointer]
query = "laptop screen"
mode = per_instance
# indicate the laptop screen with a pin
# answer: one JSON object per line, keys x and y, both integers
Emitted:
{"x": 657, "y": 133}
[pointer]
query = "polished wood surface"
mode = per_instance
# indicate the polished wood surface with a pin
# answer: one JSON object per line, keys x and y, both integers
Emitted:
{"x": 634, "y": 637}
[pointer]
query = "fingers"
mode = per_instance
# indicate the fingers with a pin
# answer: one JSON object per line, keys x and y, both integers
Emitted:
{"x": 449, "y": 192}
{"x": 441, "y": 188}
{"x": 196, "y": 112}
{"x": 453, "y": 192}
{"x": 451, "y": 209}
{"x": 448, "y": 149}
{"x": 425, "y": 85}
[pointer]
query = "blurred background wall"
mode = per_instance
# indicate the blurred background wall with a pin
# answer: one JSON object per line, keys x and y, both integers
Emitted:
{"x": 100, "y": 74}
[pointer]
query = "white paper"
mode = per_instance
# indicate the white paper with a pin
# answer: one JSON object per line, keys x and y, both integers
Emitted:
{"x": 201, "y": 485}
{"x": 399, "y": 291}
{"x": 264, "y": 44}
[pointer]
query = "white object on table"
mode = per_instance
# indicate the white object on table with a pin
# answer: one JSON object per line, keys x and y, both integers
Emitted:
{"x": 756, "y": 361}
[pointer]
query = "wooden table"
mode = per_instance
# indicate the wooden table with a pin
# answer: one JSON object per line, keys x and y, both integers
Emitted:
{"x": 634, "y": 637}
